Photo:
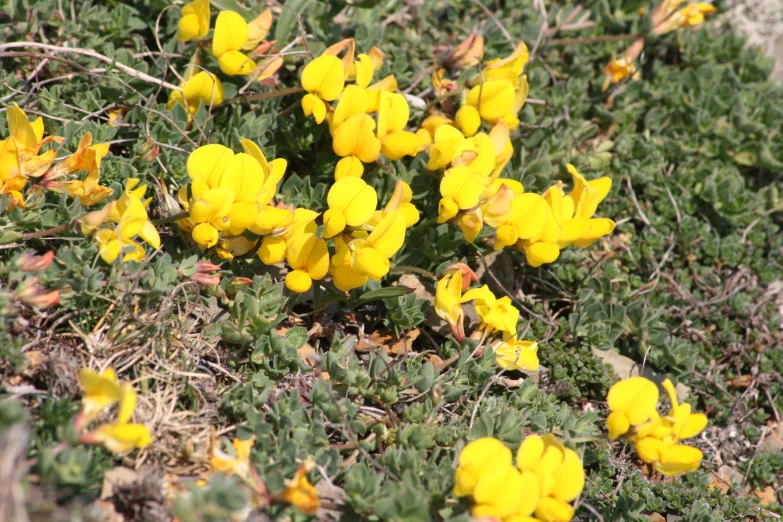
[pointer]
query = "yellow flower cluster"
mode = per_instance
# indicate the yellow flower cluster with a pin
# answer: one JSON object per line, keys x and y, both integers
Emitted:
{"x": 667, "y": 16}
{"x": 498, "y": 93}
{"x": 356, "y": 136}
{"x": 633, "y": 405}
{"x": 229, "y": 194}
{"x": 100, "y": 392}
{"x": 129, "y": 216}
{"x": 233, "y": 37}
{"x": 473, "y": 193}
{"x": 21, "y": 159}
{"x": 546, "y": 479}
{"x": 498, "y": 318}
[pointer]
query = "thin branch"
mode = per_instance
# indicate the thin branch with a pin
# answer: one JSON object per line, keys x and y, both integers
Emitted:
{"x": 92, "y": 54}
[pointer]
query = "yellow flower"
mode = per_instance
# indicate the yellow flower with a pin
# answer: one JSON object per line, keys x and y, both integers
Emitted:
{"x": 130, "y": 215}
{"x": 529, "y": 216}
{"x": 493, "y": 99}
{"x": 393, "y": 114}
{"x": 448, "y": 302}
{"x": 446, "y": 140}
{"x": 477, "y": 460}
{"x": 685, "y": 424}
{"x": 632, "y": 402}
{"x": 323, "y": 79}
{"x": 300, "y": 493}
{"x": 19, "y": 157}
{"x": 344, "y": 276}
{"x": 617, "y": 70}
{"x": 400, "y": 200}
{"x": 121, "y": 436}
{"x": 668, "y": 459}
{"x": 308, "y": 256}
{"x": 100, "y": 391}
{"x": 514, "y": 354}
{"x": 194, "y": 24}
{"x": 231, "y": 35}
{"x": 203, "y": 87}
{"x": 87, "y": 157}
{"x": 239, "y": 464}
{"x": 355, "y": 140}
{"x": 351, "y": 203}
{"x": 560, "y": 475}
{"x": 497, "y": 315}
{"x": 371, "y": 254}
{"x": 460, "y": 189}
{"x": 506, "y": 493}
{"x": 509, "y": 68}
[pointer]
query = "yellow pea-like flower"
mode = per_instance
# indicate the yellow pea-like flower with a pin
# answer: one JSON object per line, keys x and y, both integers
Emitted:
{"x": 300, "y": 493}
{"x": 460, "y": 189}
{"x": 515, "y": 354}
{"x": 351, "y": 202}
{"x": 371, "y": 254}
{"x": 448, "y": 302}
{"x": 632, "y": 402}
{"x": 493, "y": 99}
{"x": 468, "y": 120}
{"x": 100, "y": 391}
{"x": 355, "y": 137}
{"x": 308, "y": 256}
{"x": 203, "y": 87}
{"x": 497, "y": 315}
{"x": 344, "y": 276}
{"x": 529, "y": 216}
{"x": 194, "y": 24}
{"x": 323, "y": 79}
{"x": 213, "y": 207}
{"x": 258, "y": 29}
{"x": 478, "y": 459}
{"x": 231, "y": 35}
{"x": 446, "y": 139}
{"x": 400, "y": 200}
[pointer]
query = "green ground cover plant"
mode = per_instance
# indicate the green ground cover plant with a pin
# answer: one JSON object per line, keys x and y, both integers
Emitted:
{"x": 159, "y": 362}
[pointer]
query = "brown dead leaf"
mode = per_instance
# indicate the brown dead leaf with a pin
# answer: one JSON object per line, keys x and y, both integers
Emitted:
{"x": 656, "y": 517}
{"x": 740, "y": 383}
{"x": 405, "y": 344}
{"x": 380, "y": 340}
{"x": 34, "y": 361}
{"x": 374, "y": 341}
{"x": 725, "y": 476}
{"x": 436, "y": 360}
{"x": 309, "y": 355}
{"x": 767, "y": 496}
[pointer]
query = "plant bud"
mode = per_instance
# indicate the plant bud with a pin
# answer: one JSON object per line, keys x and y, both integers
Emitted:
{"x": 33, "y": 263}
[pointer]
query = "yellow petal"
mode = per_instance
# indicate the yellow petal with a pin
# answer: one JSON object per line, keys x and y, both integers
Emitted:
{"x": 324, "y": 77}
{"x": 636, "y": 396}
{"x": 205, "y": 235}
{"x": 315, "y": 106}
{"x": 299, "y": 280}
{"x": 272, "y": 250}
{"x": 493, "y": 99}
{"x": 348, "y": 166}
{"x": 208, "y": 163}
{"x": 541, "y": 253}
{"x": 399, "y": 144}
{"x": 234, "y": 63}
{"x": 231, "y": 33}
{"x": 355, "y": 137}
{"x": 468, "y": 120}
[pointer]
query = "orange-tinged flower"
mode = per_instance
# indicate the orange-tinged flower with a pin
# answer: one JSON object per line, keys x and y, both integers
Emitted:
{"x": 300, "y": 493}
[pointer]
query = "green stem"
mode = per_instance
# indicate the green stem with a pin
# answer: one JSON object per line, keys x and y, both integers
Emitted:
{"x": 266, "y": 95}
{"x": 50, "y": 231}
{"x": 170, "y": 219}
{"x": 401, "y": 269}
